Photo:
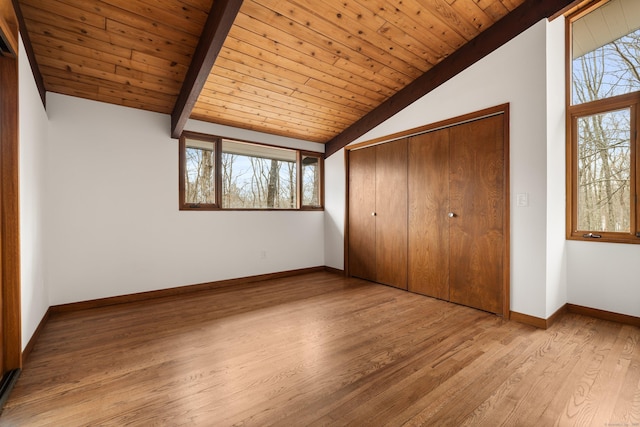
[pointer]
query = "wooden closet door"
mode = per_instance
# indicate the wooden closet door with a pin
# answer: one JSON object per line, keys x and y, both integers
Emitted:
{"x": 428, "y": 209}
{"x": 362, "y": 223}
{"x": 477, "y": 203}
{"x": 391, "y": 213}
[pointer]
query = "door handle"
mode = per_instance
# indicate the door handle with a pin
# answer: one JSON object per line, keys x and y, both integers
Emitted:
{"x": 373, "y": 214}
{"x": 592, "y": 236}
{"x": 452, "y": 215}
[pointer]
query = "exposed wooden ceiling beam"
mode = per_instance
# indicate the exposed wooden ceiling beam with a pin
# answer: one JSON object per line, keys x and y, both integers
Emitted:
{"x": 501, "y": 32}
{"x": 214, "y": 33}
{"x": 28, "y": 48}
{"x": 8, "y": 30}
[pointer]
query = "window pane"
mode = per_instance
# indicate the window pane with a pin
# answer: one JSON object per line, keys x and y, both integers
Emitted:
{"x": 310, "y": 181}
{"x": 604, "y": 172}
{"x": 257, "y": 177}
{"x": 200, "y": 173}
{"x": 606, "y": 54}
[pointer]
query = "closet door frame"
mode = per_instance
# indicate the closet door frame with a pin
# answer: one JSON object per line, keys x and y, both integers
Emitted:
{"x": 477, "y": 115}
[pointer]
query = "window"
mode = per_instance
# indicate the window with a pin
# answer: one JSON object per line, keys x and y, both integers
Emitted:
{"x": 200, "y": 173}
{"x": 220, "y": 173}
{"x": 311, "y": 179}
{"x": 258, "y": 177}
{"x": 603, "y": 111}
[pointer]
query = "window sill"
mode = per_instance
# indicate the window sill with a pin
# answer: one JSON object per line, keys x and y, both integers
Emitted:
{"x": 605, "y": 239}
{"x": 216, "y": 209}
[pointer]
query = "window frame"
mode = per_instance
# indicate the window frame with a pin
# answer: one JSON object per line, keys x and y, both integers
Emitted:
{"x": 217, "y": 206}
{"x": 183, "y": 168}
{"x": 574, "y": 112}
{"x": 300, "y": 183}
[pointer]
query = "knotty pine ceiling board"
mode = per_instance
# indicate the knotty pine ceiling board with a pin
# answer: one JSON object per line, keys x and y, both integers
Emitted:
{"x": 300, "y": 68}
{"x": 127, "y": 52}
{"x": 309, "y": 69}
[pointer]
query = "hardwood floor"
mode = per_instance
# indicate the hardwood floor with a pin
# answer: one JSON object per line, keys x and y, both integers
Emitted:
{"x": 320, "y": 349}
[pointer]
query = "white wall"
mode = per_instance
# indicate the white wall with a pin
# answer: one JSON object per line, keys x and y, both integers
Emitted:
{"x": 556, "y": 163}
{"x": 605, "y": 276}
{"x": 113, "y": 222}
{"x": 515, "y": 74}
{"x": 33, "y": 146}
{"x": 334, "y": 211}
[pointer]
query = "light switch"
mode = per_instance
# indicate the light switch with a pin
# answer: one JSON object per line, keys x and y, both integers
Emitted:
{"x": 522, "y": 200}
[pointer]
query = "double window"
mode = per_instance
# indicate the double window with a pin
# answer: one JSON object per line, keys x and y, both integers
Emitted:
{"x": 220, "y": 173}
{"x": 604, "y": 111}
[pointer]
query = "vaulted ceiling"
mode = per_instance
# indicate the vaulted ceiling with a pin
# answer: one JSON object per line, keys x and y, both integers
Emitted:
{"x": 321, "y": 71}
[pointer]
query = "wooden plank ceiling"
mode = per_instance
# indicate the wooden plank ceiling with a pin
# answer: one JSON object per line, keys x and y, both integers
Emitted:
{"x": 300, "y": 68}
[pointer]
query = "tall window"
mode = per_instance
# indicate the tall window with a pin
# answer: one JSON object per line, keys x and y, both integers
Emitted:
{"x": 219, "y": 173}
{"x": 604, "y": 111}
{"x": 311, "y": 181}
{"x": 200, "y": 176}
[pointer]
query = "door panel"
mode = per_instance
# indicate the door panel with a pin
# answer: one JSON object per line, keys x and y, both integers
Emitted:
{"x": 428, "y": 271}
{"x": 362, "y": 234}
{"x": 10, "y": 332}
{"x": 477, "y": 200}
{"x": 391, "y": 213}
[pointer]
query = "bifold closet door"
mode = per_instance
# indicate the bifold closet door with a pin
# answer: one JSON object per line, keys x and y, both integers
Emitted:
{"x": 378, "y": 213}
{"x": 428, "y": 185}
{"x": 391, "y": 213}
{"x": 362, "y": 207}
{"x": 476, "y": 230}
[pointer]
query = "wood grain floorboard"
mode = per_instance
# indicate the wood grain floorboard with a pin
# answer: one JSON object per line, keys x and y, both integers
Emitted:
{"x": 323, "y": 350}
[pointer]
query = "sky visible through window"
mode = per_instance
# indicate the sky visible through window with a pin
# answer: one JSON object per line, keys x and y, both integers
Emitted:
{"x": 613, "y": 69}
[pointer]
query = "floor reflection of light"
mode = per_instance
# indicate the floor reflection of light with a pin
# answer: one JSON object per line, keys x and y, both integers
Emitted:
{"x": 245, "y": 369}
